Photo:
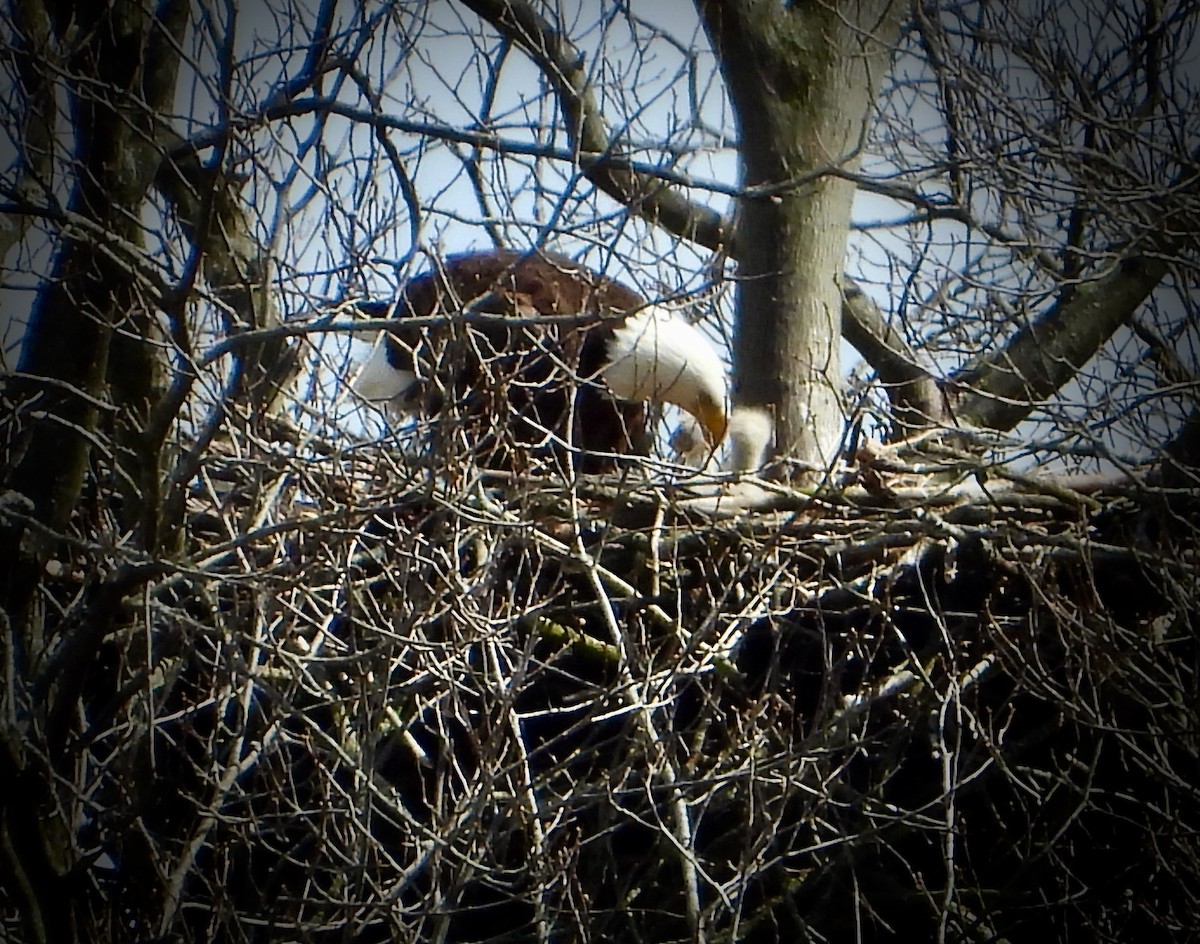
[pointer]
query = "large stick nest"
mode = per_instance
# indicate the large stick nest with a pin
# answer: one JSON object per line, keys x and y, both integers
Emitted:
{"x": 397, "y": 704}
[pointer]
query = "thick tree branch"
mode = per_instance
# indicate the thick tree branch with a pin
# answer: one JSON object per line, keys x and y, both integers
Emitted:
{"x": 916, "y": 400}
{"x": 599, "y": 152}
{"x": 73, "y": 330}
{"x": 1004, "y": 387}
{"x": 1001, "y": 387}
{"x": 802, "y": 110}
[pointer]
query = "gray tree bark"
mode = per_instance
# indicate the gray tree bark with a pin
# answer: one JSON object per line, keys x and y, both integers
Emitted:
{"x": 802, "y": 79}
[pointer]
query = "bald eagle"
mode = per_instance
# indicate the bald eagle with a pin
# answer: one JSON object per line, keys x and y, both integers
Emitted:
{"x": 519, "y": 384}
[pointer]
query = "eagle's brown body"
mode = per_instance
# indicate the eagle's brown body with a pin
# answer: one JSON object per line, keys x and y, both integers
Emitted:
{"x": 542, "y": 377}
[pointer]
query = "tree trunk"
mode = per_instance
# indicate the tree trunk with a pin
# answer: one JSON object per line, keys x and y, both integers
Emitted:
{"x": 802, "y": 80}
{"x": 89, "y": 372}
{"x": 91, "y": 328}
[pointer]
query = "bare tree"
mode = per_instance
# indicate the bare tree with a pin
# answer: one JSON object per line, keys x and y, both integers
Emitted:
{"x": 275, "y": 670}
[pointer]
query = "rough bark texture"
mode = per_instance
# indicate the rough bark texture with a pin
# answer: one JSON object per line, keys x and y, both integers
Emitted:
{"x": 801, "y": 81}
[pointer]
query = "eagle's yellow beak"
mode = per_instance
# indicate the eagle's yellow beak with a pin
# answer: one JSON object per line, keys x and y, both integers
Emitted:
{"x": 712, "y": 416}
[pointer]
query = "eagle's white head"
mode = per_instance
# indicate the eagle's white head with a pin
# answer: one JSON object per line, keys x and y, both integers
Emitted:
{"x": 657, "y": 355}
{"x": 384, "y": 384}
